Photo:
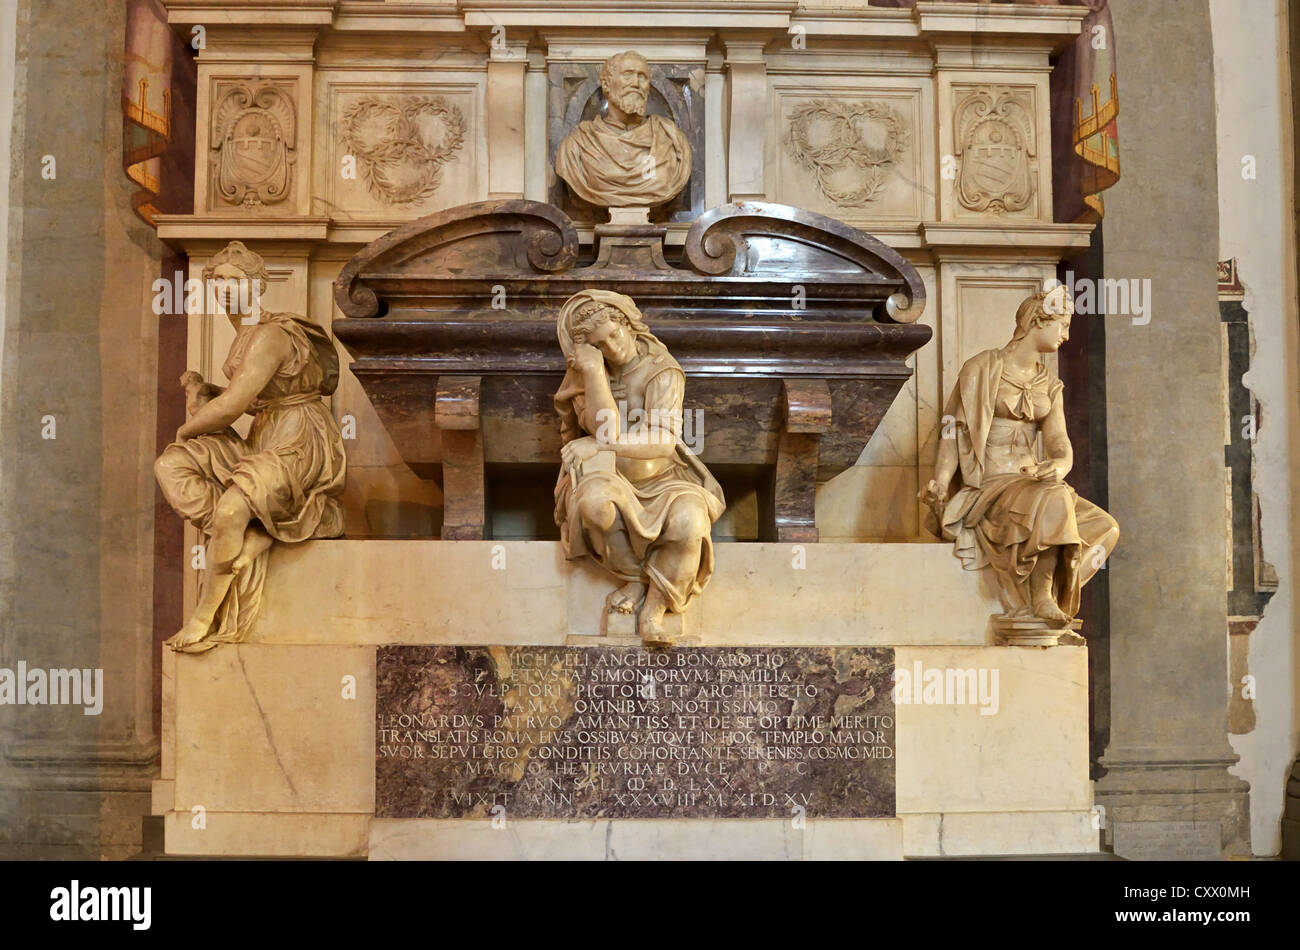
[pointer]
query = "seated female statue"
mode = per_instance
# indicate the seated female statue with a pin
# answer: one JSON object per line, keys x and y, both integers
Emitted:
{"x": 630, "y": 495}
{"x": 281, "y": 483}
{"x": 1003, "y": 505}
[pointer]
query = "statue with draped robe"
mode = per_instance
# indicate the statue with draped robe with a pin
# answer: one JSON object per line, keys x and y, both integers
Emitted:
{"x": 631, "y": 495}
{"x": 1005, "y": 504}
{"x": 279, "y": 484}
{"x": 625, "y": 158}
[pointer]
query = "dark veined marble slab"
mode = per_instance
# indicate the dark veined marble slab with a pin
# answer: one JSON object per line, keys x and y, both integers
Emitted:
{"x": 622, "y": 732}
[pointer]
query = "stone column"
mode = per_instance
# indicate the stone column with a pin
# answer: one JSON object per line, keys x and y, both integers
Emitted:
{"x": 77, "y": 418}
{"x": 1167, "y": 789}
{"x": 746, "y": 139}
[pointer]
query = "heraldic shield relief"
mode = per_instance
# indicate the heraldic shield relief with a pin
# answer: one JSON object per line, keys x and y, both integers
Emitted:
{"x": 995, "y": 136}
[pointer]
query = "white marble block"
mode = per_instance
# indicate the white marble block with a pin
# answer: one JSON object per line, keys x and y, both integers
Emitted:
{"x": 270, "y": 744}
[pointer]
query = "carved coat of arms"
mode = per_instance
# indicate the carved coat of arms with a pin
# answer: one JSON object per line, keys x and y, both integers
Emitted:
{"x": 849, "y": 146}
{"x": 995, "y": 147}
{"x": 401, "y": 143}
{"x": 253, "y": 138}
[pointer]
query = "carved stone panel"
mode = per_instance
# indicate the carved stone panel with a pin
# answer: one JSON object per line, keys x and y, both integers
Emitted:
{"x": 996, "y": 150}
{"x": 852, "y": 152}
{"x": 400, "y": 144}
{"x": 676, "y": 93}
{"x": 253, "y": 140}
{"x": 849, "y": 146}
{"x": 399, "y": 152}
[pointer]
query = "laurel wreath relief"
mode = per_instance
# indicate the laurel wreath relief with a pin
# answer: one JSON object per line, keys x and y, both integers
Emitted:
{"x": 834, "y": 139}
{"x": 401, "y": 144}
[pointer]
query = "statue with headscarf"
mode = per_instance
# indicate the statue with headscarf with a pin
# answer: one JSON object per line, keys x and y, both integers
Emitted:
{"x": 631, "y": 495}
{"x": 1004, "y": 504}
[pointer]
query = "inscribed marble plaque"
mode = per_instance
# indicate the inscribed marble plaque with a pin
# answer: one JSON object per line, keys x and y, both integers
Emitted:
{"x": 622, "y": 732}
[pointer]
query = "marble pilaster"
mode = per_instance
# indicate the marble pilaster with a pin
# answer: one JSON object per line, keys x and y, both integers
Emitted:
{"x": 747, "y": 128}
{"x": 506, "y": 120}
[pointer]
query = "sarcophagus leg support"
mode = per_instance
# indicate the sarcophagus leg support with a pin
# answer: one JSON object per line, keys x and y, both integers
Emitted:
{"x": 456, "y": 413}
{"x": 807, "y": 407}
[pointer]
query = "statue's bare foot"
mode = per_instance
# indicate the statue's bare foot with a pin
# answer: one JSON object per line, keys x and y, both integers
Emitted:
{"x": 625, "y": 599}
{"x": 651, "y": 627}
{"x": 1047, "y": 610}
{"x": 194, "y": 630}
{"x": 256, "y": 540}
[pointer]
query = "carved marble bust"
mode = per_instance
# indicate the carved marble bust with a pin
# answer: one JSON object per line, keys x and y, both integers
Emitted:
{"x": 625, "y": 158}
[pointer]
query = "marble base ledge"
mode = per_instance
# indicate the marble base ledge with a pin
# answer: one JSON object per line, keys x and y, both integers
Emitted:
{"x": 999, "y": 834}
{"x": 267, "y": 834}
{"x": 879, "y": 839}
{"x": 526, "y": 593}
{"x": 968, "y": 782}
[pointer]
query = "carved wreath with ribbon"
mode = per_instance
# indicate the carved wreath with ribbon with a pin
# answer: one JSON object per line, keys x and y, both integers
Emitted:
{"x": 849, "y": 146}
{"x": 401, "y": 144}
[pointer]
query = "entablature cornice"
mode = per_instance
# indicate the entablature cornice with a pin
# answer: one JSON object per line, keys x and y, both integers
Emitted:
{"x": 987, "y": 19}
{"x": 946, "y": 26}
{"x": 624, "y": 14}
{"x": 323, "y": 236}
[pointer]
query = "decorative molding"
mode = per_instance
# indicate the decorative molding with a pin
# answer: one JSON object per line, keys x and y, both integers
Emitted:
{"x": 1050, "y": 22}
{"x": 401, "y": 143}
{"x": 772, "y": 15}
{"x": 996, "y": 150}
{"x": 1019, "y": 239}
{"x": 203, "y": 234}
{"x": 253, "y": 142}
{"x": 832, "y": 138}
{"x": 538, "y": 238}
{"x": 754, "y": 239}
{"x": 124, "y": 754}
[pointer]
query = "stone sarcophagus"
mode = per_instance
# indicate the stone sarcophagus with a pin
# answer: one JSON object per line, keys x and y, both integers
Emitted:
{"x": 793, "y": 330}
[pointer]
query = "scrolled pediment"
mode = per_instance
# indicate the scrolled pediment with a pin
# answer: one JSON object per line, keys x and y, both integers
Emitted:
{"x": 486, "y": 239}
{"x": 761, "y": 240}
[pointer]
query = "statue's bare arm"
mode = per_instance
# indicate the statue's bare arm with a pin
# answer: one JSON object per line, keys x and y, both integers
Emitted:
{"x": 935, "y": 492}
{"x": 270, "y": 347}
{"x": 1056, "y": 442}
{"x": 655, "y": 434}
{"x": 599, "y": 400}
